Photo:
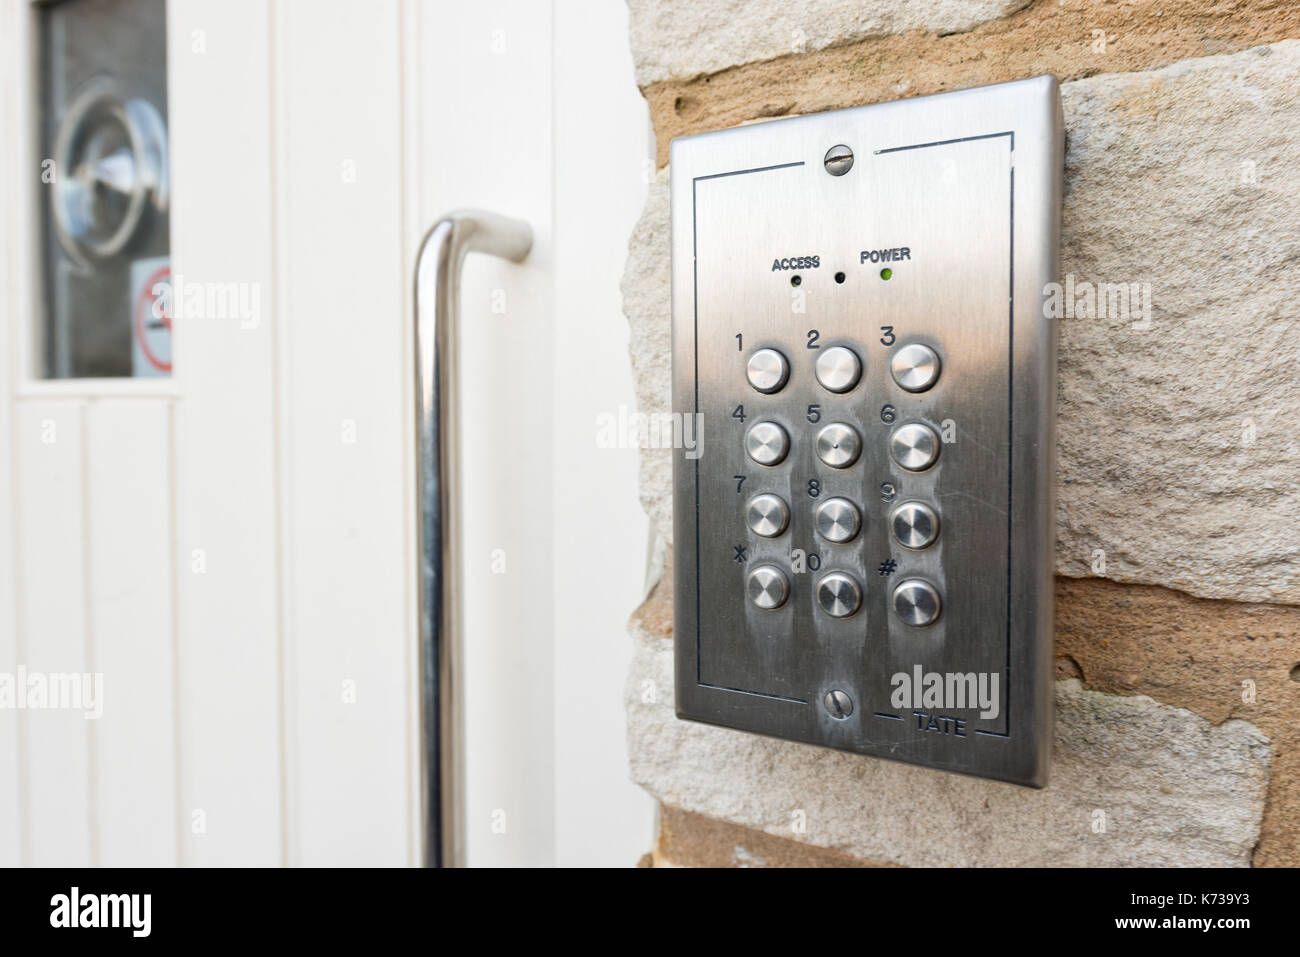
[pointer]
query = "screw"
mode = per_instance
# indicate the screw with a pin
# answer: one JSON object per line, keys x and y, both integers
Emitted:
{"x": 838, "y": 703}
{"x": 839, "y": 160}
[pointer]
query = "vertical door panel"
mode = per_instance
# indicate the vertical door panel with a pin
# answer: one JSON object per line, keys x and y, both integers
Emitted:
{"x": 52, "y": 626}
{"x": 132, "y": 623}
{"x": 222, "y": 141}
{"x": 484, "y": 116}
{"x": 344, "y": 333}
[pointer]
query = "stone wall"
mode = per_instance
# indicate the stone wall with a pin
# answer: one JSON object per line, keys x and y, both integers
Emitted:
{"x": 1178, "y": 526}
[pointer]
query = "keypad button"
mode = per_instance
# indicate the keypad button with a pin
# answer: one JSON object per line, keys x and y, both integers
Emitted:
{"x": 915, "y": 367}
{"x": 914, "y": 446}
{"x": 767, "y": 443}
{"x": 767, "y": 371}
{"x": 767, "y": 515}
{"x": 838, "y": 445}
{"x": 767, "y": 587}
{"x": 839, "y": 595}
{"x": 838, "y": 369}
{"x": 916, "y": 602}
{"x": 915, "y": 525}
{"x": 838, "y": 520}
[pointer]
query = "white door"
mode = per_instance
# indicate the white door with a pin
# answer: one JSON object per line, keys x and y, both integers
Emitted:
{"x": 232, "y": 548}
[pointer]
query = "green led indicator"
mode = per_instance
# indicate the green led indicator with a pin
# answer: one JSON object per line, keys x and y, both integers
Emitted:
{"x": 886, "y": 273}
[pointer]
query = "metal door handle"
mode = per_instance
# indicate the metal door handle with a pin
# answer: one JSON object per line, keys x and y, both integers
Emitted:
{"x": 437, "y": 386}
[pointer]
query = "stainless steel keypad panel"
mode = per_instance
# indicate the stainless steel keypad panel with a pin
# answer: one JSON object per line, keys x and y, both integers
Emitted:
{"x": 863, "y": 537}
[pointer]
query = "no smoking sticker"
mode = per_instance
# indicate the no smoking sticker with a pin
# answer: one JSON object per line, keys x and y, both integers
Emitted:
{"x": 151, "y": 318}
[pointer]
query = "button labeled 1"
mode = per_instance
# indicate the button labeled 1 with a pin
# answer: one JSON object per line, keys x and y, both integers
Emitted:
{"x": 767, "y": 371}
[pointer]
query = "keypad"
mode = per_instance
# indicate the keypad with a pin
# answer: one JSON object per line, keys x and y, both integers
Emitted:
{"x": 838, "y": 519}
{"x": 862, "y": 426}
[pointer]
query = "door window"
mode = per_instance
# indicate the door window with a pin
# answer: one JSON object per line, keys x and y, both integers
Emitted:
{"x": 103, "y": 140}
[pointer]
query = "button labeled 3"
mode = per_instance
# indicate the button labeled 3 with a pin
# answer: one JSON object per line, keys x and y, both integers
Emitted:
{"x": 915, "y": 367}
{"x": 767, "y": 587}
{"x": 767, "y": 443}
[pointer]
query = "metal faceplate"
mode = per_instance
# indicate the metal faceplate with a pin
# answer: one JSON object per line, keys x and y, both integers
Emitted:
{"x": 923, "y": 634}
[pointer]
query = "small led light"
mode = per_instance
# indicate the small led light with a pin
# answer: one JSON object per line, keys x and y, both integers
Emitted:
{"x": 795, "y": 280}
{"x": 886, "y": 273}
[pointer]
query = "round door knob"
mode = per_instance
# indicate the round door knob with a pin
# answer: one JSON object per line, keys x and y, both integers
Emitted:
{"x": 838, "y": 445}
{"x": 914, "y": 446}
{"x": 838, "y": 369}
{"x": 838, "y": 520}
{"x": 915, "y": 524}
{"x": 767, "y": 515}
{"x": 916, "y": 602}
{"x": 111, "y": 158}
{"x": 767, "y": 443}
{"x": 767, "y": 370}
{"x": 915, "y": 367}
{"x": 839, "y": 595}
{"x": 767, "y": 587}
